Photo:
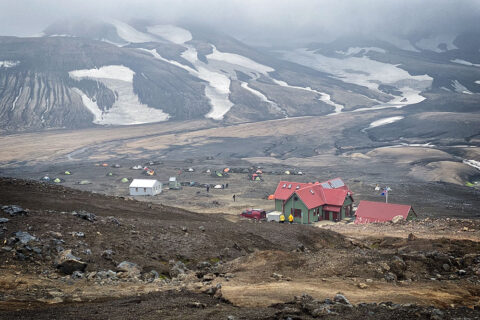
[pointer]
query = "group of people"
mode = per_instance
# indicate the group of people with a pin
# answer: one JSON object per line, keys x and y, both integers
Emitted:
{"x": 282, "y": 218}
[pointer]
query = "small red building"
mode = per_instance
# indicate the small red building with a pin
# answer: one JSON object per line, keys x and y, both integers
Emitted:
{"x": 370, "y": 211}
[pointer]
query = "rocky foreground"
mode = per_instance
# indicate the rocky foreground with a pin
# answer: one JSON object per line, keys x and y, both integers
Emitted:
{"x": 72, "y": 254}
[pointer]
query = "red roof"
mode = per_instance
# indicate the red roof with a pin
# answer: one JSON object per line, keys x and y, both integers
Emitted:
{"x": 369, "y": 211}
{"x": 312, "y": 196}
{"x": 335, "y": 197}
{"x": 315, "y": 195}
{"x": 285, "y": 189}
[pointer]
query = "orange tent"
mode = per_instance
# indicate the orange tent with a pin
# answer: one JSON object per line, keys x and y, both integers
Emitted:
{"x": 271, "y": 197}
{"x": 105, "y": 165}
{"x": 226, "y": 170}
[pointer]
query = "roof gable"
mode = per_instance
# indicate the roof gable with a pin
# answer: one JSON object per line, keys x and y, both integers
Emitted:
{"x": 370, "y": 211}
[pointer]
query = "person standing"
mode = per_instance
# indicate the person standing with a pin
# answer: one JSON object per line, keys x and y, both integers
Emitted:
{"x": 234, "y": 198}
{"x": 290, "y": 218}
{"x": 208, "y": 188}
{"x": 282, "y": 218}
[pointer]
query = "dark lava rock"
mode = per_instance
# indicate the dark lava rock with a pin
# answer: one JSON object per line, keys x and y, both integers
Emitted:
{"x": 398, "y": 267}
{"x": 340, "y": 298}
{"x": 67, "y": 263}
{"x": 14, "y": 210}
{"x": 85, "y": 215}
{"x": 24, "y": 237}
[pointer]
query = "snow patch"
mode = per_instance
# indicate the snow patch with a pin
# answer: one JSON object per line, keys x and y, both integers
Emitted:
{"x": 432, "y": 43}
{"x": 400, "y": 43}
{"x": 171, "y": 33}
{"x": 91, "y": 105}
{"x": 108, "y": 72}
{"x": 384, "y": 121}
{"x": 364, "y": 50}
{"x": 472, "y": 163}
{"x": 156, "y": 55}
{"x": 370, "y": 73}
{"x": 238, "y": 60}
{"x": 477, "y": 82}
{"x": 127, "y": 109}
{"x": 466, "y": 63}
{"x": 263, "y": 98}
{"x": 130, "y": 34}
{"x": 460, "y": 88}
{"x": 9, "y": 64}
{"x": 325, "y": 97}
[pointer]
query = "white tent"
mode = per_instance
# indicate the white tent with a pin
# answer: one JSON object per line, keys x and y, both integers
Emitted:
{"x": 145, "y": 187}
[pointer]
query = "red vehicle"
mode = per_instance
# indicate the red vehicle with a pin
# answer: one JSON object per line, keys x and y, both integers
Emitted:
{"x": 257, "y": 214}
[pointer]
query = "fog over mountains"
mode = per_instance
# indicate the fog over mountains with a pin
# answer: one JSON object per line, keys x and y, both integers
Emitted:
{"x": 124, "y": 63}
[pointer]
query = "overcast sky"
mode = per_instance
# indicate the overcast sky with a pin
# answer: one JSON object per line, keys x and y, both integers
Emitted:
{"x": 256, "y": 20}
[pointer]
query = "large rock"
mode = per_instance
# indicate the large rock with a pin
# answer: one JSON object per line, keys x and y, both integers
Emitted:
{"x": 397, "y": 219}
{"x": 24, "y": 237}
{"x": 14, "y": 210}
{"x": 177, "y": 268}
{"x": 67, "y": 263}
{"x": 398, "y": 267}
{"x": 132, "y": 269}
{"x": 85, "y": 215}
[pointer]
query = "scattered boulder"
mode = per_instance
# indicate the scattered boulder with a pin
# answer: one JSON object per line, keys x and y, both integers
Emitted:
{"x": 398, "y": 267}
{"x": 85, "y": 215}
{"x": 107, "y": 254}
{"x": 177, "y": 268}
{"x": 411, "y": 237}
{"x": 14, "y": 210}
{"x": 24, "y": 237}
{"x": 78, "y": 275}
{"x": 340, "y": 298}
{"x": 3, "y": 220}
{"x": 67, "y": 263}
{"x": 398, "y": 219}
{"x": 130, "y": 268}
{"x": 362, "y": 285}
{"x": 390, "y": 277}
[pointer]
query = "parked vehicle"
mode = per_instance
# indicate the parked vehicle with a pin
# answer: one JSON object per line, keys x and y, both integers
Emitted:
{"x": 257, "y": 214}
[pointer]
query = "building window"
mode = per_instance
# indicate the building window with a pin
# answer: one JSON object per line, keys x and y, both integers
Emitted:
{"x": 144, "y": 189}
{"x": 136, "y": 189}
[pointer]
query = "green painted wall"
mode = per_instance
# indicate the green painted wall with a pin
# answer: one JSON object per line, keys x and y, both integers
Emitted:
{"x": 278, "y": 205}
{"x": 297, "y": 205}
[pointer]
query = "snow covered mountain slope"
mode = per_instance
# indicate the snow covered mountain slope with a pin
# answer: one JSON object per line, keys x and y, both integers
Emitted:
{"x": 111, "y": 72}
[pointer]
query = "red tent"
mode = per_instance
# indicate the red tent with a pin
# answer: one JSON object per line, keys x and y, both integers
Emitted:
{"x": 370, "y": 211}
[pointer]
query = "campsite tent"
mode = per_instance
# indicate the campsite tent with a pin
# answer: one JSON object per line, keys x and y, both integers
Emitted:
{"x": 124, "y": 180}
{"x": 57, "y": 180}
{"x": 145, "y": 187}
{"x": 84, "y": 182}
{"x": 137, "y": 167}
{"x": 67, "y": 173}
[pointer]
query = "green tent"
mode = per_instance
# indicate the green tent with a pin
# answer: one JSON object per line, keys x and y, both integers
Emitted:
{"x": 124, "y": 180}
{"x": 219, "y": 174}
{"x": 109, "y": 174}
{"x": 57, "y": 180}
{"x": 257, "y": 179}
{"x": 68, "y": 173}
{"x": 83, "y": 182}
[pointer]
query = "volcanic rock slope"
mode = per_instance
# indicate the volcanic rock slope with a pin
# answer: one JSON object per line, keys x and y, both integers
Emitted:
{"x": 85, "y": 73}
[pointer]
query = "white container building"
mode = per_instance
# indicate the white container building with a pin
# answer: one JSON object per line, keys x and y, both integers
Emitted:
{"x": 145, "y": 187}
